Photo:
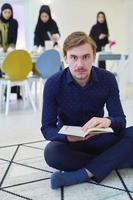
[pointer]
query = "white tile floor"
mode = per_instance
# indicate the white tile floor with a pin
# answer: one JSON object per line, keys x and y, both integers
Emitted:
{"x": 25, "y": 175}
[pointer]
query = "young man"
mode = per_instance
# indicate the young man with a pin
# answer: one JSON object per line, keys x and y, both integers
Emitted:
{"x": 76, "y": 97}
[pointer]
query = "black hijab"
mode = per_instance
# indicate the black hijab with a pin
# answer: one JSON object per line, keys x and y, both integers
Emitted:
{"x": 4, "y": 7}
{"x": 13, "y": 24}
{"x": 102, "y": 26}
{"x": 42, "y": 28}
{"x": 97, "y": 29}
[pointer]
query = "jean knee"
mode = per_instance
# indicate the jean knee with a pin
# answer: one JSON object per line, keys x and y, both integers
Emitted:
{"x": 52, "y": 154}
{"x": 129, "y": 132}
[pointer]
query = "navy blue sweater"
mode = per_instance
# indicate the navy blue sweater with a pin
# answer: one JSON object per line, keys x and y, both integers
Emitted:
{"x": 65, "y": 102}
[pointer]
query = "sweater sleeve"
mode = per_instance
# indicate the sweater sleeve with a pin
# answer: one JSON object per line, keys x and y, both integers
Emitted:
{"x": 114, "y": 107}
{"x": 49, "y": 114}
{"x": 13, "y": 32}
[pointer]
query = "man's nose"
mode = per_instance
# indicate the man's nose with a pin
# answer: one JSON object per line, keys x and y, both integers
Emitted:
{"x": 80, "y": 62}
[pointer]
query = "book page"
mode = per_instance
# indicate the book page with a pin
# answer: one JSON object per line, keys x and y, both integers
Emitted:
{"x": 99, "y": 130}
{"x": 77, "y": 131}
{"x": 72, "y": 130}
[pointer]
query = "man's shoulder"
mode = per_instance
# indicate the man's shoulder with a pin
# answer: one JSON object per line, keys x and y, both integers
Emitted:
{"x": 103, "y": 74}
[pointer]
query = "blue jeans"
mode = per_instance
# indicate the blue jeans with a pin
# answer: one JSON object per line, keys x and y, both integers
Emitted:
{"x": 100, "y": 154}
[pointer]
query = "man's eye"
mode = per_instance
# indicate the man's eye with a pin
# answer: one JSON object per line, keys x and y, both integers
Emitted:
{"x": 86, "y": 56}
{"x": 74, "y": 57}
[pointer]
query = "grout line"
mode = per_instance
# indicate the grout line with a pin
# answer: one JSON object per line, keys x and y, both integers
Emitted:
{"x": 107, "y": 186}
{"x": 123, "y": 183}
{"x": 24, "y": 145}
{"x": 62, "y": 193}
{"x": 24, "y": 183}
{"x": 17, "y": 163}
{"x": 18, "y": 195}
{"x": 13, "y": 145}
{"x": 6, "y": 172}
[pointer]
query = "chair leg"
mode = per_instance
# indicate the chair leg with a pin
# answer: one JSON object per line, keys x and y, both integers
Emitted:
{"x": 8, "y": 97}
{"x": 24, "y": 95}
{"x": 30, "y": 96}
{"x": 42, "y": 83}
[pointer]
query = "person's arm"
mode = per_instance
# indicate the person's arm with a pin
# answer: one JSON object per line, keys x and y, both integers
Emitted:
{"x": 49, "y": 114}
{"x": 39, "y": 36}
{"x": 114, "y": 107}
{"x": 94, "y": 34}
{"x": 54, "y": 31}
{"x": 12, "y": 33}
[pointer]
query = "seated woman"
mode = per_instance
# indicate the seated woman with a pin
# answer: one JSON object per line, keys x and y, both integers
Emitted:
{"x": 8, "y": 35}
{"x": 46, "y": 28}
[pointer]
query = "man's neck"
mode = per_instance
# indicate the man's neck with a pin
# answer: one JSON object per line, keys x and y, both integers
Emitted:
{"x": 83, "y": 82}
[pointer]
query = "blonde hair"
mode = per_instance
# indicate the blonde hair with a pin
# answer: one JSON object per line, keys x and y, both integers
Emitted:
{"x": 76, "y": 39}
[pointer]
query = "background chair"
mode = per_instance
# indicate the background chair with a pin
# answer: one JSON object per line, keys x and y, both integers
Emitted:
{"x": 48, "y": 63}
{"x": 16, "y": 67}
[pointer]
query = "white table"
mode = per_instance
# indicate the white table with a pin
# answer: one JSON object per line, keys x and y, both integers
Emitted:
{"x": 121, "y": 68}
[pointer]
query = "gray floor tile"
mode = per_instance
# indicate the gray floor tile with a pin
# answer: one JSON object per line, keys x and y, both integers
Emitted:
{"x": 20, "y": 174}
{"x": 7, "y": 196}
{"x": 88, "y": 191}
{"x": 32, "y": 157}
{"x": 127, "y": 175}
{"x": 40, "y": 144}
{"x": 37, "y": 191}
{"x": 113, "y": 181}
{"x": 3, "y": 167}
{"x": 7, "y": 153}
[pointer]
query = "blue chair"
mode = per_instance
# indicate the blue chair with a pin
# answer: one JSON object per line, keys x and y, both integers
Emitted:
{"x": 48, "y": 63}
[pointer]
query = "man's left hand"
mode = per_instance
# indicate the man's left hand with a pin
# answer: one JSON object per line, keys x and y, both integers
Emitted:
{"x": 97, "y": 122}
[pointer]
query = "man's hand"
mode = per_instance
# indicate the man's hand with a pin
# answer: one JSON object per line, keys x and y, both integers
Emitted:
{"x": 71, "y": 138}
{"x": 97, "y": 122}
{"x": 78, "y": 139}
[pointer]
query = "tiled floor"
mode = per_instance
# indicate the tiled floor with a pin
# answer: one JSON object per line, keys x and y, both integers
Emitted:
{"x": 25, "y": 175}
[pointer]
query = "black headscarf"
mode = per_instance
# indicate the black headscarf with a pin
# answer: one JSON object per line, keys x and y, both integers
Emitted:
{"x": 103, "y": 26}
{"x": 13, "y": 24}
{"x": 97, "y": 29}
{"x": 4, "y": 7}
{"x": 42, "y": 28}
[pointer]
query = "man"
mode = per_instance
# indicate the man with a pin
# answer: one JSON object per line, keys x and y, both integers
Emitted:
{"x": 76, "y": 96}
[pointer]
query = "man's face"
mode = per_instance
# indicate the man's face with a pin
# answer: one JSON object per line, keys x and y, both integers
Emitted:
{"x": 80, "y": 60}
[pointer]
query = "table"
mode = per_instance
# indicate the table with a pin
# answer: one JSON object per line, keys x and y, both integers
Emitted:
{"x": 121, "y": 69}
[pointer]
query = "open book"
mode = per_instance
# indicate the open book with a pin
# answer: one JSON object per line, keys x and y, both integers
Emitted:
{"x": 77, "y": 131}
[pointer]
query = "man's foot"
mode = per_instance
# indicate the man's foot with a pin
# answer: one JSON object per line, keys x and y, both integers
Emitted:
{"x": 59, "y": 179}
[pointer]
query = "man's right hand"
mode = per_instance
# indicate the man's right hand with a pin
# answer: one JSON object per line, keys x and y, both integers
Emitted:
{"x": 71, "y": 138}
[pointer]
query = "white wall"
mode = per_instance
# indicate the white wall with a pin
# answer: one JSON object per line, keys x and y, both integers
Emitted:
{"x": 72, "y": 15}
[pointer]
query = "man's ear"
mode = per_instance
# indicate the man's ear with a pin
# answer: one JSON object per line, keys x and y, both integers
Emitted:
{"x": 94, "y": 57}
{"x": 65, "y": 58}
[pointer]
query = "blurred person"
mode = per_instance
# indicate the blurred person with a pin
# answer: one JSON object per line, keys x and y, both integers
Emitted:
{"x": 46, "y": 28}
{"x": 100, "y": 34}
{"x": 8, "y": 28}
{"x": 8, "y": 35}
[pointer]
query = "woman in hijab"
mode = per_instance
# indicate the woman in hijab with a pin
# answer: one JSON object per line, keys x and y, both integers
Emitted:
{"x": 8, "y": 35}
{"x": 100, "y": 33}
{"x": 46, "y": 28}
{"x": 8, "y": 28}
